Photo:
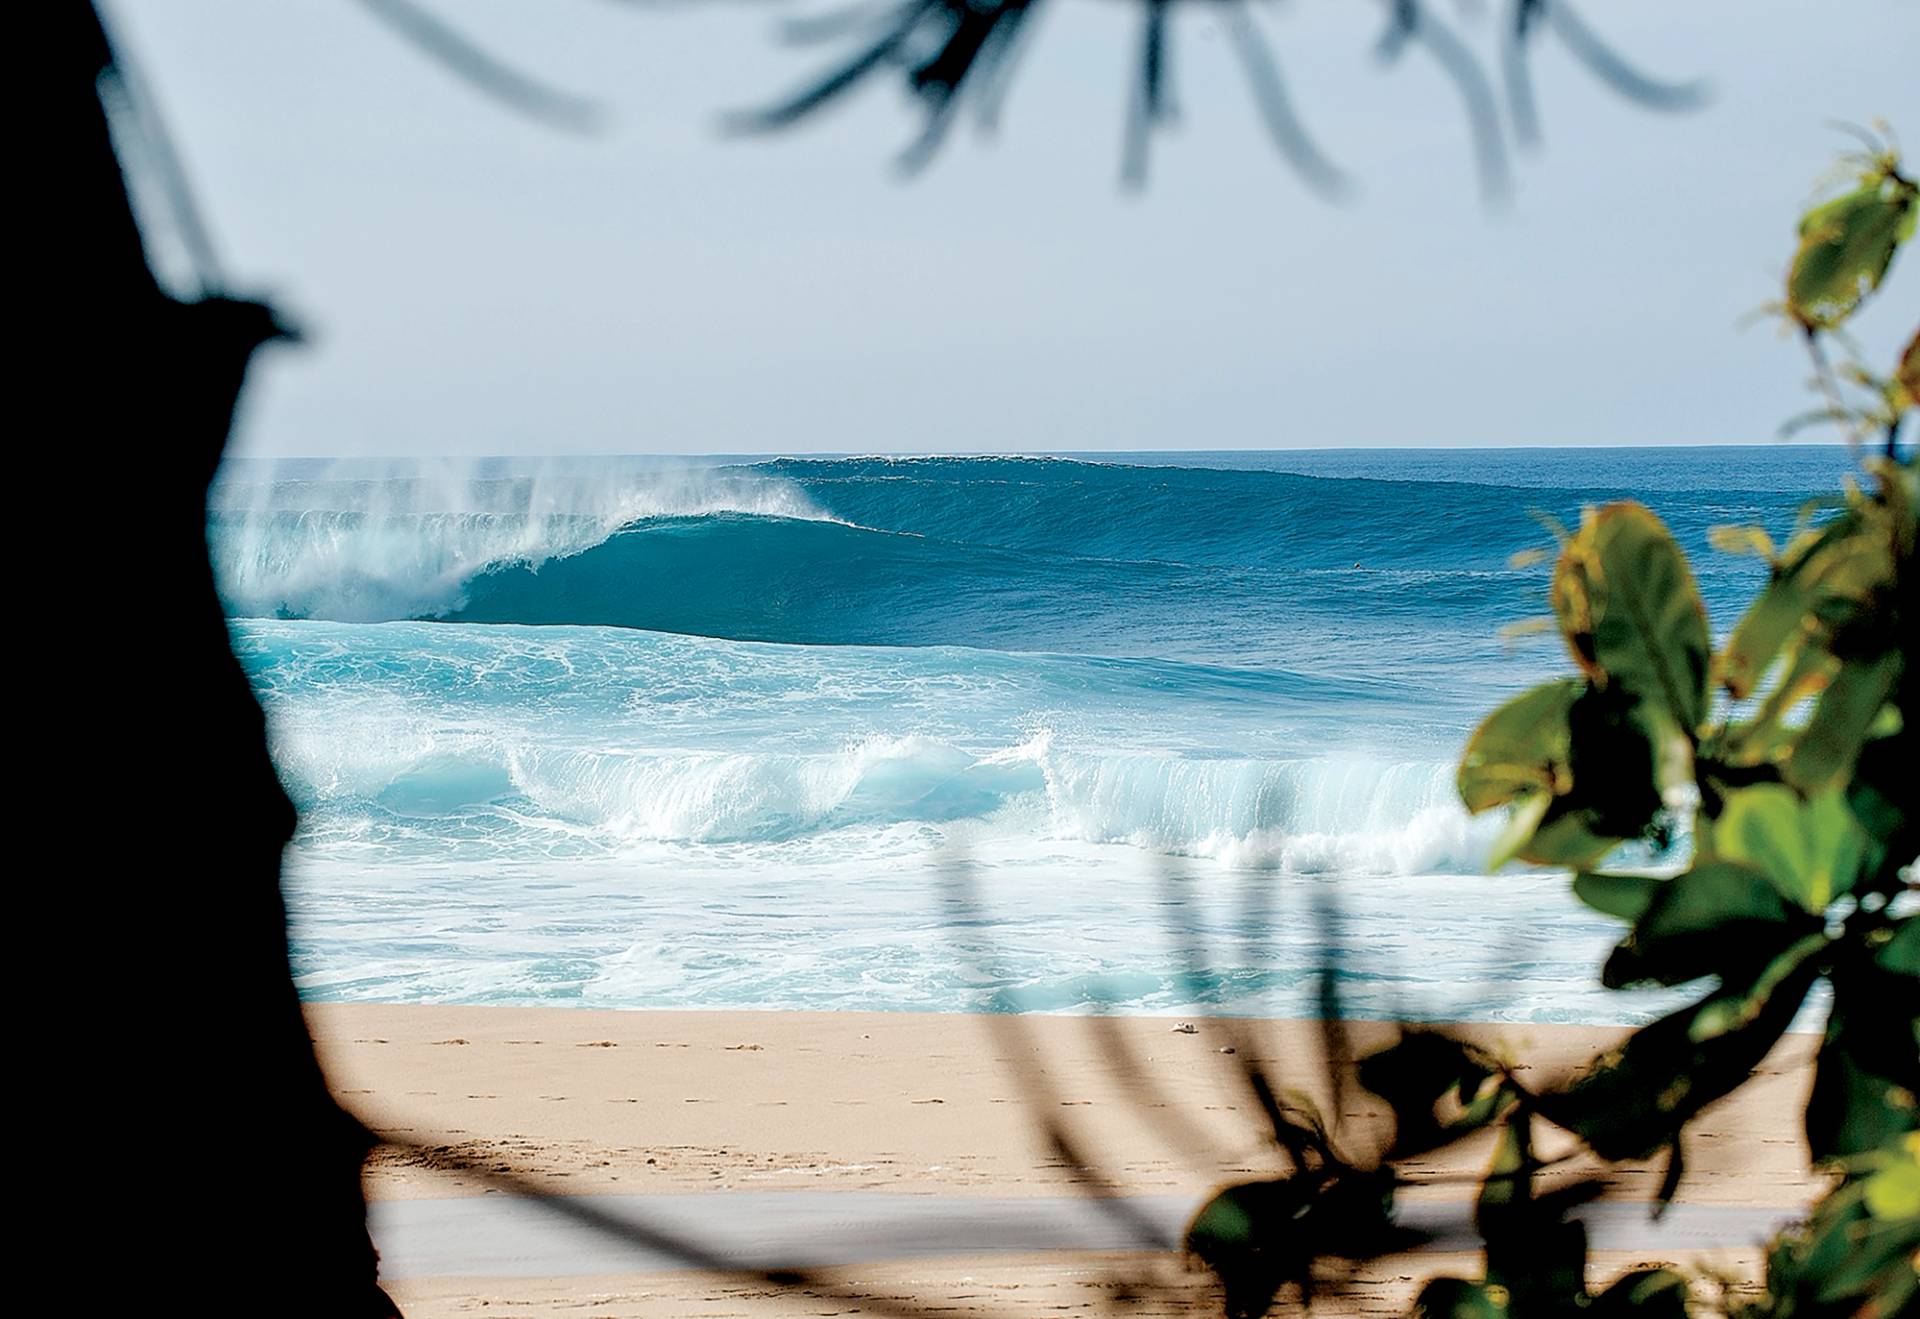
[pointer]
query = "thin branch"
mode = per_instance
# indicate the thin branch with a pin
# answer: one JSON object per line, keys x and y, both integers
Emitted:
{"x": 847, "y": 21}
{"x": 974, "y": 43}
{"x": 990, "y": 96}
{"x": 1517, "y": 75}
{"x": 837, "y": 83}
{"x": 1457, "y": 61}
{"x": 123, "y": 89}
{"x": 1823, "y": 374}
{"x": 1276, "y": 107}
{"x": 587, "y": 1211}
{"x": 1608, "y": 65}
{"x": 451, "y": 49}
{"x": 1146, "y": 109}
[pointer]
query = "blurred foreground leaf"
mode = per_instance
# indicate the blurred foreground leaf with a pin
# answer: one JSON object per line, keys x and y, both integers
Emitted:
{"x": 1811, "y": 851}
{"x": 1718, "y": 918}
{"x": 1632, "y": 615}
{"x": 1635, "y": 1099}
{"x": 1261, "y": 1237}
{"x": 1846, "y": 246}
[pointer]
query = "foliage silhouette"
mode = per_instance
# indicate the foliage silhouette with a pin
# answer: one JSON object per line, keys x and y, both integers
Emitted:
{"x": 952, "y": 54}
{"x": 1792, "y": 749}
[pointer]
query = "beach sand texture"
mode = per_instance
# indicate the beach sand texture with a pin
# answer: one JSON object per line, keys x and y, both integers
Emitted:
{"x": 579, "y": 1102}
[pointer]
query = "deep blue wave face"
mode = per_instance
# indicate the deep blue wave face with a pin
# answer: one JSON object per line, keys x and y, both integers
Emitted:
{"x": 1231, "y": 566}
{"x": 546, "y": 702}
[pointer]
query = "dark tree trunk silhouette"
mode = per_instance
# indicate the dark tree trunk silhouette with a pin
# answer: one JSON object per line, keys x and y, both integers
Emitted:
{"x": 192, "y": 1148}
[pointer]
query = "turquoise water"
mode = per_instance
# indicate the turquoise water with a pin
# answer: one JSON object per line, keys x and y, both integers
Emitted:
{"x": 1148, "y": 733}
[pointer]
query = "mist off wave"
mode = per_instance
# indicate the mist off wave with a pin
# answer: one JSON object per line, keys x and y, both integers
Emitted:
{"x": 642, "y": 732}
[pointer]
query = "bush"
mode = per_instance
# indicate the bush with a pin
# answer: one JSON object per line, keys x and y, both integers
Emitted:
{"x": 1789, "y": 758}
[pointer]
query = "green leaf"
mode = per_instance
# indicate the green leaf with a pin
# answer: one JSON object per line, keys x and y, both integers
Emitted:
{"x": 1456, "y": 1298}
{"x": 1840, "y": 563}
{"x": 1731, "y": 1012}
{"x": 1852, "y": 1109}
{"x": 1825, "y": 754}
{"x": 1224, "y": 1222}
{"x": 1578, "y": 765}
{"x": 1742, "y": 538}
{"x": 1901, "y": 952}
{"x": 1845, "y": 248}
{"x": 1637, "y": 1097}
{"x": 1894, "y": 1191}
{"x": 1521, "y": 831}
{"x": 1767, "y": 738}
{"x": 1520, "y": 749}
{"x": 1524, "y": 754}
{"x": 1643, "y": 1294}
{"x": 1906, "y": 376}
{"x": 1625, "y": 896}
{"x": 1867, "y": 1076}
{"x": 1611, "y": 795}
{"x": 1881, "y": 794}
{"x": 1631, "y": 614}
{"x": 1565, "y": 837}
{"x": 1846, "y": 1261}
{"x": 1718, "y": 918}
{"x": 1241, "y": 1235}
{"x": 1261, "y": 1236}
{"x": 1811, "y": 851}
{"x": 1415, "y": 1073}
{"x": 1779, "y": 612}
{"x": 1532, "y": 1248}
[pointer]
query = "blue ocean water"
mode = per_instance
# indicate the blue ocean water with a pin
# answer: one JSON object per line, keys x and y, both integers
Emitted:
{"x": 1150, "y": 732}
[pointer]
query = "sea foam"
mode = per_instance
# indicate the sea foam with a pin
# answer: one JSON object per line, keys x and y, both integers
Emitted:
{"x": 1300, "y": 816}
{"x": 646, "y": 734}
{"x": 360, "y": 542}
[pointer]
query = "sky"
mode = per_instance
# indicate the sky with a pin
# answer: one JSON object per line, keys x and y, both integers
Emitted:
{"x": 472, "y": 282}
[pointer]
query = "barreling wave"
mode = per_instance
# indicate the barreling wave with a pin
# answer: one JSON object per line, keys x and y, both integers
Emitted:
{"x": 1065, "y": 671}
{"x": 407, "y": 540}
{"x": 1051, "y": 554}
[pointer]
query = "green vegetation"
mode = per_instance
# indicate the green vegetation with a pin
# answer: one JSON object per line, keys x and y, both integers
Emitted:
{"x": 1790, "y": 756}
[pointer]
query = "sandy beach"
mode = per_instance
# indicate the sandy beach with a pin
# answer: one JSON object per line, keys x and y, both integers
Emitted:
{"x": 652, "y": 1104}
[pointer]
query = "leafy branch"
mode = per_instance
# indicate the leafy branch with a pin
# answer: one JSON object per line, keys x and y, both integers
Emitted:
{"x": 952, "y": 55}
{"x": 1790, "y": 750}
{"x": 1846, "y": 246}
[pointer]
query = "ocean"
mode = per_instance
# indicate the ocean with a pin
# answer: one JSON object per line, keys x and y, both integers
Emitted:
{"x": 1166, "y": 732}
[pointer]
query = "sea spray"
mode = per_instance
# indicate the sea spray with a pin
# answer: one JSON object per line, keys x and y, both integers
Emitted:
{"x": 361, "y": 541}
{"x": 1239, "y": 568}
{"x": 499, "y": 734}
{"x": 642, "y": 733}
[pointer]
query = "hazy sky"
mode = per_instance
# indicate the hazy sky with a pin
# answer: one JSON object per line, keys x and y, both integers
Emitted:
{"x": 475, "y": 283}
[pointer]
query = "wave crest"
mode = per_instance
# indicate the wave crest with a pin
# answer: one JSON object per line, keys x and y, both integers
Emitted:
{"x": 362, "y": 543}
{"x": 1304, "y": 816}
